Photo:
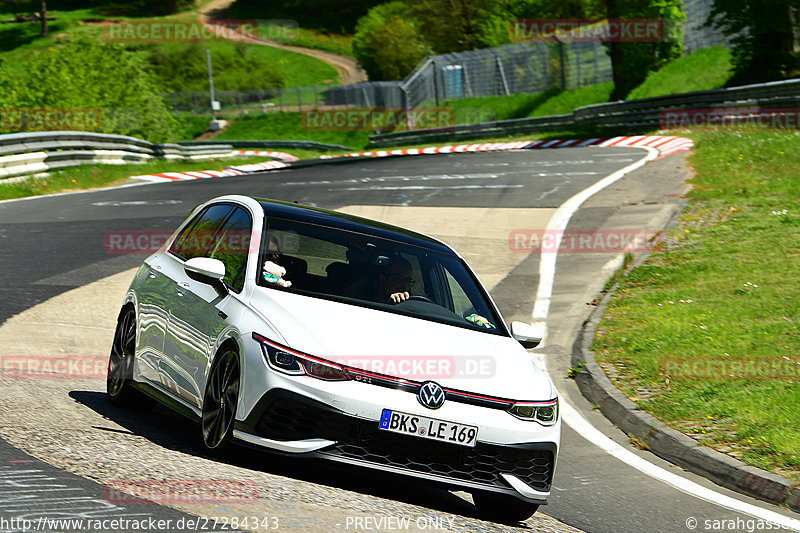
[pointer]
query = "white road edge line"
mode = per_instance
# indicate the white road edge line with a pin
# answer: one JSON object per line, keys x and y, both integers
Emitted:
{"x": 547, "y": 266}
{"x": 571, "y": 416}
{"x": 556, "y": 226}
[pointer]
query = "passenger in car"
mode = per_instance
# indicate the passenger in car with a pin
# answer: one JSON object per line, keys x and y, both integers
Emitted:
{"x": 273, "y": 271}
{"x": 391, "y": 284}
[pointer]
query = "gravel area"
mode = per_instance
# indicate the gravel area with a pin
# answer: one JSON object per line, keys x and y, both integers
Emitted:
{"x": 70, "y": 424}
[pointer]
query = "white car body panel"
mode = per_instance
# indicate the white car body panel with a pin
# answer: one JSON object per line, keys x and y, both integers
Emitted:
{"x": 183, "y": 323}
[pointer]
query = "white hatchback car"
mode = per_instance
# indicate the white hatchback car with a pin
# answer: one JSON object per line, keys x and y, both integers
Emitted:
{"x": 319, "y": 334}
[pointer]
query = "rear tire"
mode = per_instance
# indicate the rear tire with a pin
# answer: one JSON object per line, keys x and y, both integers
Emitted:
{"x": 503, "y": 508}
{"x": 220, "y": 400}
{"x": 120, "y": 365}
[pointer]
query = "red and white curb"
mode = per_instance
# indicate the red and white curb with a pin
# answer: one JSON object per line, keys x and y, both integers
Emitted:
{"x": 665, "y": 144}
{"x": 283, "y": 156}
{"x": 230, "y": 171}
{"x": 204, "y": 174}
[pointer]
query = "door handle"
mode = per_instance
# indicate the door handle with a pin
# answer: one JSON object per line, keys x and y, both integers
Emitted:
{"x": 182, "y": 288}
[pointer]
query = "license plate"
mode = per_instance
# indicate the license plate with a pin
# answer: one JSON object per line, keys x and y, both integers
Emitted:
{"x": 429, "y": 428}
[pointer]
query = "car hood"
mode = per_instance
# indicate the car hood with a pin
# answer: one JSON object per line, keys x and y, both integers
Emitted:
{"x": 402, "y": 346}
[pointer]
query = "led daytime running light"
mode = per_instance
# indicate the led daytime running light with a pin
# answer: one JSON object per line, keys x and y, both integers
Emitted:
{"x": 545, "y": 413}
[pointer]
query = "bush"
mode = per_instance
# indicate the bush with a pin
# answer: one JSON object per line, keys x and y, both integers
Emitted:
{"x": 387, "y": 43}
{"x": 84, "y": 73}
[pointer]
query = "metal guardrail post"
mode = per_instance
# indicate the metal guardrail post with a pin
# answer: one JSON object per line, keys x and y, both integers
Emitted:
{"x": 596, "y": 62}
{"x": 435, "y": 83}
{"x": 502, "y": 75}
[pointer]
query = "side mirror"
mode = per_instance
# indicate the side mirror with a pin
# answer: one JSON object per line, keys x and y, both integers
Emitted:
{"x": 208, "y": 271}
{"x": 526, "y": 334}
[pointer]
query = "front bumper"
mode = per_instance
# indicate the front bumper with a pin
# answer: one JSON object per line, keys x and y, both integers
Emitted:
{"x": 289, "y": 422}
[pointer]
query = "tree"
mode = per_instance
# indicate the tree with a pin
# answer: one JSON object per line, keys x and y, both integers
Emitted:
{"x": 762, "y": 36}
{"x": 566, "y": 9}
{"x": 44, "y": 19}
{"x": 85, "y": 74}
{"x": 456, "y": 25}
{"x": 632, "y": 61}
{"x": 387, "y": 43}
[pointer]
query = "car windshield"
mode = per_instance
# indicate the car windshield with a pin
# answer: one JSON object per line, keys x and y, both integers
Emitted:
{"x": 366, "y": 270}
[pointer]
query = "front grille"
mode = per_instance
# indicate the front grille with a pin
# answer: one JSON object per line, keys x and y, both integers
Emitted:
{"x": 286, "y": 419}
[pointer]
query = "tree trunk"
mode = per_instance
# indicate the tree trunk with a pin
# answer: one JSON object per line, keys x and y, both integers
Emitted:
{"x": 44, "y": 19}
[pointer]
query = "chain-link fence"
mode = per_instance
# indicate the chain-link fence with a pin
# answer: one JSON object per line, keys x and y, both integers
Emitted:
{"x": 527, "y": 67}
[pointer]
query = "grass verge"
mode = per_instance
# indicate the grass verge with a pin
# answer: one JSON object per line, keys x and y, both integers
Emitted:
{"x": 704, "y": 335}
{"x": 86, "y": 177}
{"x": 288, "y": 126}
{"x": 709, "y": 68}
{"x": 550, "y": 102}
{"x": 18, "y": 40}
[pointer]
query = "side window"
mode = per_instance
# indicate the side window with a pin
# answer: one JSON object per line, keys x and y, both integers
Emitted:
{"x": 232, "y": 245}
{"x": 200, "y": 235}
{"x": 461, "y": 302}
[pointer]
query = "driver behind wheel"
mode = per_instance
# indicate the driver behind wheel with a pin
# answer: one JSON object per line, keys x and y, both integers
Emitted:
{"x": 395, "y": 281}
{"x": 391, "y": 284}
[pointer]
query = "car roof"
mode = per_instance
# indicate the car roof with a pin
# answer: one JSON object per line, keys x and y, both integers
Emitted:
{"x": 344, "y": 221}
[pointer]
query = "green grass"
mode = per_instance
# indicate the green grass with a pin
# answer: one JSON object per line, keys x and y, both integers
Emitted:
{"x": 722, "y": 287}
{"x": 709, "y": 68}
{"x": 85, "y": 177}
{"x": 522, "y": 105}
{"x": 301, "y": 70}
{"x": 519, "y": 105}
{"x": 329, "y": 42}
{"x": 17, "y": 40}
{"x": 190, "y": 126}
{"x": 288, "y": 126}
{"x": 20, "y": 39}
{"x": 330, "y": 31}
{"x": 567, "y": 101}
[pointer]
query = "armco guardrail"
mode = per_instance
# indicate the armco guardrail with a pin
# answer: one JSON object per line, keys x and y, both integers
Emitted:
{"x": 630, "y": 114}
{"x": 29, "y": 153}
{"x": 308, "y": 145}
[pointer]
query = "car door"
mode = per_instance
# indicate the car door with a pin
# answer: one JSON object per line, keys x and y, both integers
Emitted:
{"x": 196, "y": 316}
{"x": 152, "y": 290}
{"x": 193, "y": 241}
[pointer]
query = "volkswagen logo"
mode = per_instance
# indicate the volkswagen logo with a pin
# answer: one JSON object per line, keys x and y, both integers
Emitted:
{"x": 431, "y": 395}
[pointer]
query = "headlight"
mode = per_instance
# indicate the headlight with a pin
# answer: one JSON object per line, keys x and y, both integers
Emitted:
{"x": 546, "y": 413}
{"x": 288, "y": 361}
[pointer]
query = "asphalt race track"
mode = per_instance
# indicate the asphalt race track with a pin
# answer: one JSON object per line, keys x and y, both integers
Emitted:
{"x": 61, "y": 440}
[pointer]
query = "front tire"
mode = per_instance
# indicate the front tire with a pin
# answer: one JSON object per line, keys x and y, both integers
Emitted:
{"x": 503, "y": 508}
{"x": 120, "y": 365}
{"x": 220, "y": 400}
